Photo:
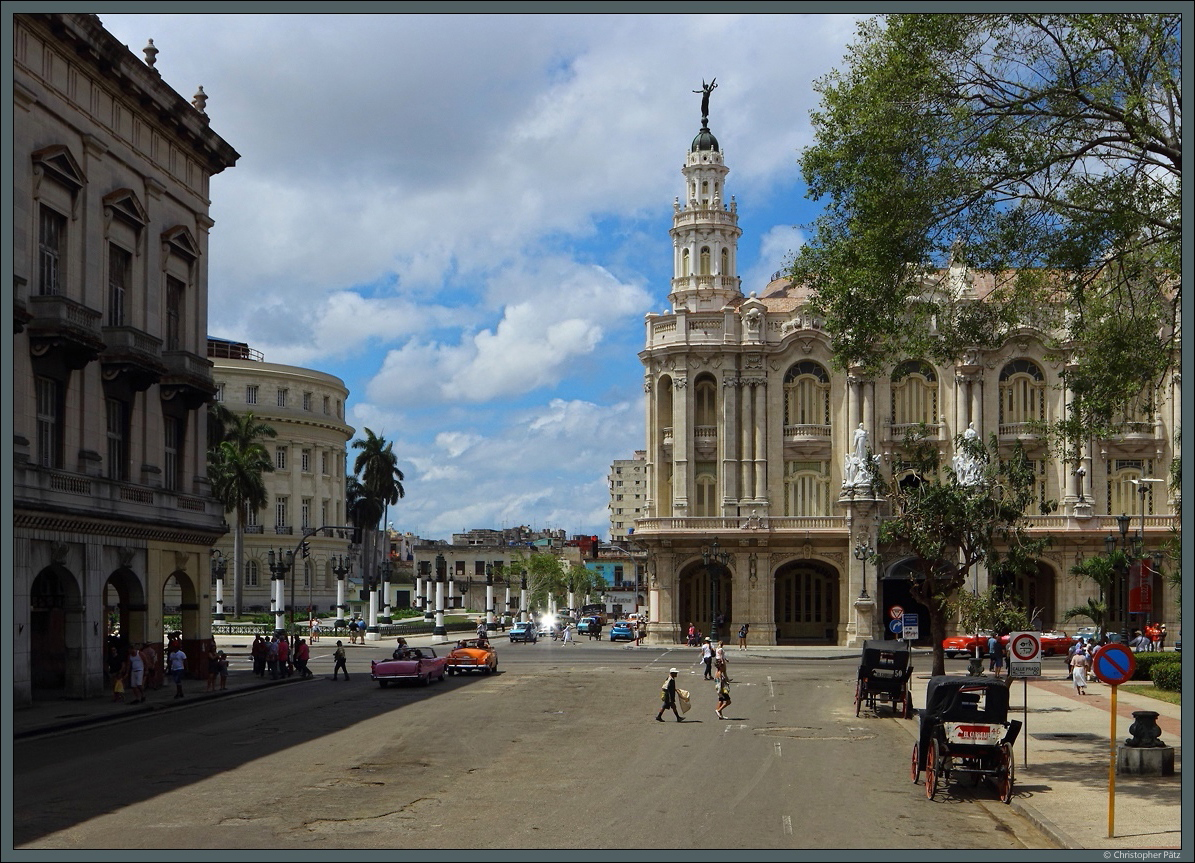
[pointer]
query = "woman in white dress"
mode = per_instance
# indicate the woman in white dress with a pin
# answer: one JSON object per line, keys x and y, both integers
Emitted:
{"x": 1079, "y": 664}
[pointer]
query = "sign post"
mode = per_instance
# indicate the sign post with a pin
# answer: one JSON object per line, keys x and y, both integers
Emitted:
{"x": 910, "y": 627}
{"x": 1024, "y": 661}
{"x": 1113, "y": 664}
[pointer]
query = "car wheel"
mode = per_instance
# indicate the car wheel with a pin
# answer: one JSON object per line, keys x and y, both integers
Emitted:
{"x": 426, "y": 679}
{"x": 383, "y": 683}
{"x": 451, "y": 672}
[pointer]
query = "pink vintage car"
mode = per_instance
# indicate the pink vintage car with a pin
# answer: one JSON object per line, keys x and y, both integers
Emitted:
{"x": 411, "y": 663}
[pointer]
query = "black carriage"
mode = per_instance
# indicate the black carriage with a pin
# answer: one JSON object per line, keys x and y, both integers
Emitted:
{"x": 966, "y": 732}
{"x": 884, "y": 673}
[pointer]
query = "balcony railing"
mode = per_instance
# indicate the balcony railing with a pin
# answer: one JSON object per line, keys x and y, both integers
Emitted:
{"x": 255, "y": 528}
{"x": 802, "y": 431}
{"x": 718, "y": 524}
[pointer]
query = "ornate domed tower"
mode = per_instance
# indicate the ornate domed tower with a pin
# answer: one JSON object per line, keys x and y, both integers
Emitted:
{"x": 705, "y": 231}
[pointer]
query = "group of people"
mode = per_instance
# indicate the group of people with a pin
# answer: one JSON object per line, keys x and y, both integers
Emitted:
{"x": 135, "y": 670}
{"x": 281, "y": 656}
{"x": 695, "y": 637}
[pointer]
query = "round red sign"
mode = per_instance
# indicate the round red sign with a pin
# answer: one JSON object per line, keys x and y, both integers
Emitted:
{"x": 1113, "y": 664}
{"x": 1025, "y": 646}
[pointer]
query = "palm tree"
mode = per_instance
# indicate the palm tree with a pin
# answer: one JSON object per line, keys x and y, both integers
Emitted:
{"x": 236, "y": 465}
{"x": 380, "y": 485}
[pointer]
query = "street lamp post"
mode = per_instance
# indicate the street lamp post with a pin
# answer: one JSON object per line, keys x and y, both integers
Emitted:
{"x": 340, "y": 568}
{"x": 523, "y": 596}
{"x": 715, "y": 560}
{"x": 280, "y": 564}
{"x": 1122, "y": 573}
{"x": 490, "y": 626}
{"x": 219, "y": 568}
{"x": 441, "y": 578}
{"x": 863, "y": 553}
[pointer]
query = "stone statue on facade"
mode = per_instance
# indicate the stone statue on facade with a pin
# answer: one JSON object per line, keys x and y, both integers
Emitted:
{"x": 855, "y": 473}
{"x": 967, "y": 468}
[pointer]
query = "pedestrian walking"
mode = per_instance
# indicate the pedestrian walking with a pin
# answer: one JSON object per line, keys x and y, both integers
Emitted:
{"x": 178, "y": 666}
{"x": 1162, "y": 636}
{"x": 339, "y": 658}
{"x": 283, "y": 656}
{"x": 258, "y": 652}
{"x": 136, "y": 674}
{"x": 568, "y": 634}
{"x": 213, "y": 665}
{"x": 743, "y": 636}
{"x": 707, "y": 656}
{"x": 995, "y": 656}
{"x": 353, "y": 631}
{"x": 723, "y": 697}
{"x": 222, "y": 666}
{"x": 720, "y": 662}
{"x": 272, "y": 657}
{"x": 640, "y": 631}
{"x": 116, "y": 672}
{"x": 149, "y": 659}
{"x": 668, "y": 697}
{"x": 1079, "y": 663}
{"x": 481, "y": 630}
{"x": 302, "y": 655}
{"x": 1139, "y": 643}
{"x": 692, "y": 634}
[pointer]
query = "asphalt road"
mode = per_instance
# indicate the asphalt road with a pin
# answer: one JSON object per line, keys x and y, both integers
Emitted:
{"x": 558, "y": 750}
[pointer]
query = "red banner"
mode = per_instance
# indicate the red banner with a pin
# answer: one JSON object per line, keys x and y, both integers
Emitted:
{"x": 1141, "y": 587}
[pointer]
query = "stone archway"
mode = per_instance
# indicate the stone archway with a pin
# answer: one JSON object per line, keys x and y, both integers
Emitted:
{"x": 55, "y": 632}
{"x": 896, "y": 600}
{"x": 180, "y": 599}
{"x": 695, "y": 594}
{"x": 124, "y": 609}
{"x": 1036, "y": 592}
{"x": 806, "y": 603}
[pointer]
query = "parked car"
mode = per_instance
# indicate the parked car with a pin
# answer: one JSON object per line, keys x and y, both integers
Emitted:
{"x": 622, "y": 631}
{"x": 523, "y": 632}
{"x": 414, "y": 663}
{"x": 964, "y": 645}
{"x": 473, "y": 655}
{"x": 1054, "y": 643}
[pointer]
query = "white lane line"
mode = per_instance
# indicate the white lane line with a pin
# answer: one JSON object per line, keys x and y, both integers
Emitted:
{"x": 788, "y": 825}
{"x": 778, "y": 753}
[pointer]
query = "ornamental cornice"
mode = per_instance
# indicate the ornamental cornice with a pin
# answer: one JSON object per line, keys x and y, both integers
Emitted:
{"x": 114, "y": 530}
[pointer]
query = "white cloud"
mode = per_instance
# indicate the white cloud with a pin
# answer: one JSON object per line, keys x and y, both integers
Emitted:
{"x": 776, "y": 249}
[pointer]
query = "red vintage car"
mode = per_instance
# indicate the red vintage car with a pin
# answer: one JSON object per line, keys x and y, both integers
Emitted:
{"x": 412, "y": 663}
{"x": 1052, "y": 644}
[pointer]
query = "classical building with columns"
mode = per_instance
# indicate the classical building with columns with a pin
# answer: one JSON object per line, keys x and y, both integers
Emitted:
{"x": 113, "y": 518}
{"x": 306, "y": 489}
{"x": 754, "y": 509}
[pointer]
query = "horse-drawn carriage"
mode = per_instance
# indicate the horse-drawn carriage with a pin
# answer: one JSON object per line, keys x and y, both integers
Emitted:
{"x": 884, "y": 673}
{"x": 965, "y": 731}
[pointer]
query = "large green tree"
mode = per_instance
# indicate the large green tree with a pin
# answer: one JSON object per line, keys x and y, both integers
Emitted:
{"x": 236, "y": 463}
{"x": 1040, "y": 151}
{"x": 948, "y": 523}
{"x": 380, "y": 485}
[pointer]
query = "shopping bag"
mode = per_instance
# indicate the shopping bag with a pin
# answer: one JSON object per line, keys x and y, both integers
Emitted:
{"x": 682, "y": 696}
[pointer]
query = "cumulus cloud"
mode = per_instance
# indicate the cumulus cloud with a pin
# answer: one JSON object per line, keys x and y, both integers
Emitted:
{"x": 776, "y": 249}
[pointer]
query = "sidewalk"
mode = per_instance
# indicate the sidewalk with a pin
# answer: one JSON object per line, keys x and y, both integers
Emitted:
{"x": 1061, "y": 755}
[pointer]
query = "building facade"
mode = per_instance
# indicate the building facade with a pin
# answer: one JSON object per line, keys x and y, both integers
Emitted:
{"x": 750, "y": 430}
{"x": 305, "y": 491}
{"x": 113, "y": 516}
{"x": 628, "y": 492}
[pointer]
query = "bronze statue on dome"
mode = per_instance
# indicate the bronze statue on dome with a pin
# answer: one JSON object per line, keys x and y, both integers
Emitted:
{"x": 705, "y": 91}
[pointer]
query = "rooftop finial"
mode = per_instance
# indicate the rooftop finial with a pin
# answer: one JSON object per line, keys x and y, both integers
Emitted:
{"x": 705, "y": 91}
{"x": 199, "y": 100}
{"x": 151, "y": 53}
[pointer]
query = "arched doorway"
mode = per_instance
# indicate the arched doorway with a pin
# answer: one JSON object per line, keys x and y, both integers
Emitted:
{"x": 55, "y": 626}
{"x": 124, "y": 609}
{"x": 695, "y": 598}
{"x": 180, "y": 614}
{"x": 1035, "y": 593}
{"x": 896, "y": 600}
{"x": 806, "y": 603}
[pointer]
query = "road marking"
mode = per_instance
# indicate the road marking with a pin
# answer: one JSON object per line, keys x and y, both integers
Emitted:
{"x": 788, "y": 825}
{"x": 778, "y": 749}
{"x": 771, "y": 689}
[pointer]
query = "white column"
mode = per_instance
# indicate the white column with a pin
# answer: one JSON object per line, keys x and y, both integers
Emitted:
{"x": 219, "y": 615}
{"x": 371, "y": 629}
{"x": 340, "y": 603}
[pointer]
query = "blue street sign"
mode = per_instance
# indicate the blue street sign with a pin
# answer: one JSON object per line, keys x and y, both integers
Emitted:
{"x": 1113, "y": 664}
{"x": 895, "y": 626}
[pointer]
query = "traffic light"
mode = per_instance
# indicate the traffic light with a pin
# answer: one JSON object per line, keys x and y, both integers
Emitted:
{"x": 306, "y": 549}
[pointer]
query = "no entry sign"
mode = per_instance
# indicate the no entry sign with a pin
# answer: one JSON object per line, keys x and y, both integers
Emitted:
{"x": 1113, "y": 664}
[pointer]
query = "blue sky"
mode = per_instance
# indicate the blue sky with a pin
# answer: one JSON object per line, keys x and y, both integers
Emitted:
{"x": 466, "y": 217}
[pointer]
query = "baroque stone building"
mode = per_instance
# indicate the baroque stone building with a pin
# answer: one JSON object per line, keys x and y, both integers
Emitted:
{"x": 113, "y": 516}
{"x": 306, "y": 489}
{"x": 750, "y": 433}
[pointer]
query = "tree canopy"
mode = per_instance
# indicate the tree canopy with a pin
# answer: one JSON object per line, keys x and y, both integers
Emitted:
{"x": 946, "y": 523}
{"x": 1039, "y": 152}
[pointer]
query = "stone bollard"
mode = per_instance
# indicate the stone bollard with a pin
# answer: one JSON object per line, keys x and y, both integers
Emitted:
{"x": 1144, "y": 754}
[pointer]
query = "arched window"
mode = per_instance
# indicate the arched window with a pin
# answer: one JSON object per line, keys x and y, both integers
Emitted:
{"x": 807, "y": 488}
{"x": 251, "y": 573}
{"x": 914, "y": 395}
{"x": 1022, "y": 396}
{"x": 705, "y": 402}
{"x": 807, "y": 397}
{"x": 1124, "y": 495}
{"x": 684, "y": 262}
{"x": 705, "y": 488}
{"x": 705, "y": 261}
{"x": 725, "y": 262}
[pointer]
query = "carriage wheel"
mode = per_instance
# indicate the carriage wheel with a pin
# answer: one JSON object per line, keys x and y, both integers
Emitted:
{"x": 914, "y": 770}
{"x": 932, "y": 766}
{"x": 858, "y": 696}
{"x": 1007, "y": 771}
